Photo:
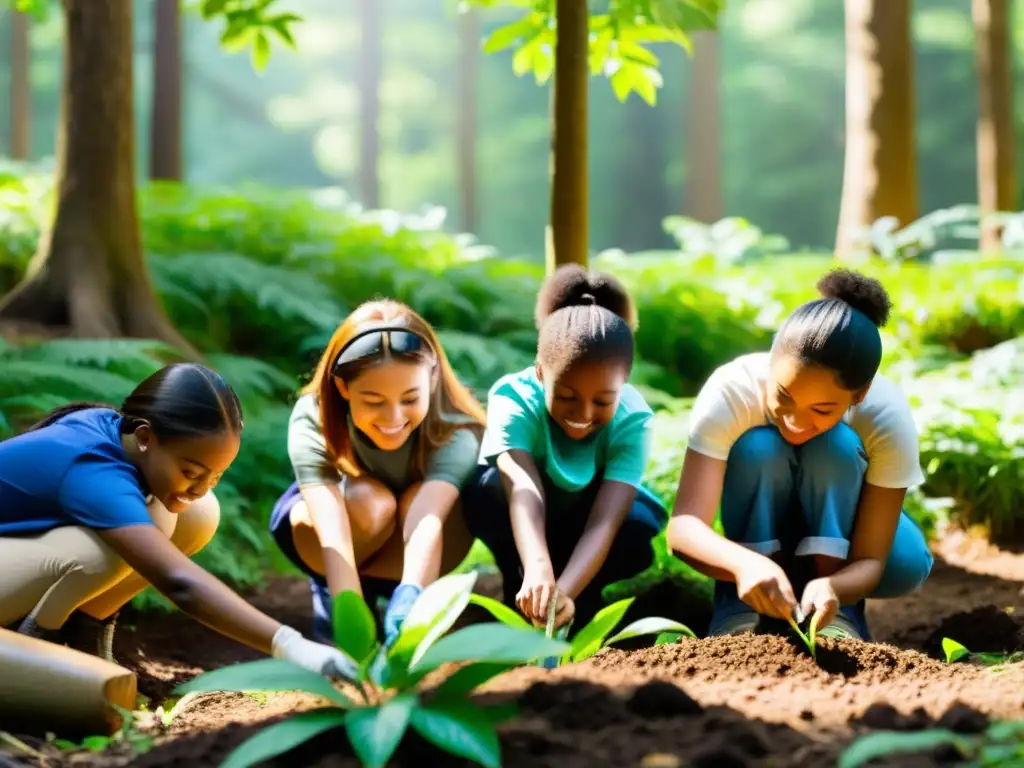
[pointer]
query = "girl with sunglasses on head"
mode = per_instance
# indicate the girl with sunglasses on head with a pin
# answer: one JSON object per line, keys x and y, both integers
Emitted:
{"x": 96, "y": 502}
{"x": 808, "y": 451}
{"x": 381, "y": 442}
{"x": 558, "y": 498}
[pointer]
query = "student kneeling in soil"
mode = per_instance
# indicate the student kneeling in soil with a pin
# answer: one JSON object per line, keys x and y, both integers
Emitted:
{"x": 381, "y": 441}
{"x": 97, "y": 502}
{"x": 558, "y": 491}
{"x": 809, "y": 453}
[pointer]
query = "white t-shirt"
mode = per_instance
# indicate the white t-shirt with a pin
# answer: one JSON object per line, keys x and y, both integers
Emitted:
{"x": 734, "y": 400}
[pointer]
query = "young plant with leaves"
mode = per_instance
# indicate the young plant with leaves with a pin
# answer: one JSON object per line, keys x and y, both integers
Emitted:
{"x": 595, "y": 635}
{"x": 385, "y": 696}
{"x": 1000, "y": 746}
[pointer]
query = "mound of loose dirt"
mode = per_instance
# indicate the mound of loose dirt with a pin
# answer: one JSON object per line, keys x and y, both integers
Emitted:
{"x": 983, "y": 630}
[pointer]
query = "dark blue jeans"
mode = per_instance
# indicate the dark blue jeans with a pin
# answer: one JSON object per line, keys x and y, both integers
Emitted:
{"x": 376, "y": 591}
{"x": 486, "y": 511}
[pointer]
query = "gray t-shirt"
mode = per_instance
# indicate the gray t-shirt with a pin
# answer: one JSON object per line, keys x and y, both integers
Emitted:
{"x": 453, "y": 462}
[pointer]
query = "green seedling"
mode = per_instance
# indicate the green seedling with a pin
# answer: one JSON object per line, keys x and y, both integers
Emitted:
{"x": 1000, "y": 746}
{"x": 811, "y": 638}
{"x": 384, "y": 696}
{"x": 955, "y": 651}
{"x": 128, "y": 734}
{"x": 594, "y": 636}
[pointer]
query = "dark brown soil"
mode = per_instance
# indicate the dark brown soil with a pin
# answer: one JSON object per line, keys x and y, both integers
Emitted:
{"x": 717, "y": 702}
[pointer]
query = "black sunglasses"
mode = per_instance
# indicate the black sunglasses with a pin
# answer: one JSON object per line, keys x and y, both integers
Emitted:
{"x": 373, "y": 342}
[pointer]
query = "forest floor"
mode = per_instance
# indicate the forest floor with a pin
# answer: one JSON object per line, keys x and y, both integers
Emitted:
{"x": 721, "y": 702}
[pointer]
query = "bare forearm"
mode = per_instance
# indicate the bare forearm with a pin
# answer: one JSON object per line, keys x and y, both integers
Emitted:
{"x": 212, "y": 603}
{"x": 423, "y": 545}
{"x": 855, "y": 581}
{"x": 704, "y": 549}
{"x": 587, "y": 558}
{"x": 528, "y": 520}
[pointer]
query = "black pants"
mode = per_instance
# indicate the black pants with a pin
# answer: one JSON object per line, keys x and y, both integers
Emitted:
{"x": 486, "y": 511}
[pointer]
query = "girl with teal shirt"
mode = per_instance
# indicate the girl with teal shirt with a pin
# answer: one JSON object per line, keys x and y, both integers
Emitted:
{"x": 557, "y": 496}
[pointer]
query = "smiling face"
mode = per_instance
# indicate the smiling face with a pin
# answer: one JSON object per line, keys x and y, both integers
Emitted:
{"x": 806, "y": 400}
{"x": 180, "y": 471}
{"x": 584, "y": 397}
{"x": 389, "y": 401}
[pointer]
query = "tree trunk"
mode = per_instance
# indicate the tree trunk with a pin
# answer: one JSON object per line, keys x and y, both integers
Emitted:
{"x": 469, "y": 46}
{"x": 880, "y": 173}
{"x": 88, "y": 276}
{"x": 21, "y": 87}
{"x": 165, "y": 155}
{"x": 997, "y": 170}
{"x": 703, "y": 176}
{"x": 370, "y": 65}
{"x": 568, "y": 228}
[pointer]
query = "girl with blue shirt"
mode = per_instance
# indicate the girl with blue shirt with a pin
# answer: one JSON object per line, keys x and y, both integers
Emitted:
{"x": 558, "y": 496}
{"x": 96, "y": 502}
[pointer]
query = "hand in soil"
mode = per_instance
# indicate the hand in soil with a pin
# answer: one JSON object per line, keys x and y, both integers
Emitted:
{"x": 820, "y": 601}
{"x": 764, "y": 586}
{"x": 535, "y": 596}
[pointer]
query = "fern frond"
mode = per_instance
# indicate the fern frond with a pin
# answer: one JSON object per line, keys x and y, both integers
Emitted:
{"x": 133, "y": 359}
{"x": 19, "y": 378}
{"x": 480, "y": 361}
{"x": 253, "y": 378}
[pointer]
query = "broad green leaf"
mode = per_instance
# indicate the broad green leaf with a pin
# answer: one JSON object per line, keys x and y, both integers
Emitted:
{"x": 465, "y": 679}
{"x": 495, "y": 643}
{"x": 280, "y": 24}
{"x": 375, "y": 732}
{"x": 954, "y": 651}
{"x": 883, "y": 743}
{"x": 510, "y": 34}
{"x": 589, "y": 639}
{"x": 500, "y": 611}
{"x": 264, "y": 675}
{"x": 211, "y": 8}
{"x": 355, "y": 631}
{"x": 434, "y": 612}
{"x": 459, "y": 729}
{"x": 665, "y": 638}
{"x": 283, "y": 736}
{"x": 649, "y": 626}
{"x": 260, "y": 51}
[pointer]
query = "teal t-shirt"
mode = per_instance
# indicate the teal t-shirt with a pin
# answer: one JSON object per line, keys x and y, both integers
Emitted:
{"x": 517, "y": 419}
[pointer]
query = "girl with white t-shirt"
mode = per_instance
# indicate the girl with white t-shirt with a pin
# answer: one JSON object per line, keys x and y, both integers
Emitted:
{"x": 809, "y": 453}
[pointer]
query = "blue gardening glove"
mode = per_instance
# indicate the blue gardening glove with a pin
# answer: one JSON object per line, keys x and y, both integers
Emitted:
{"x": 398, "y": 609}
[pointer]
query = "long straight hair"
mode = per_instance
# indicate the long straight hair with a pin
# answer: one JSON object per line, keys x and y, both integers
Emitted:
{"x": 452, "y": 405}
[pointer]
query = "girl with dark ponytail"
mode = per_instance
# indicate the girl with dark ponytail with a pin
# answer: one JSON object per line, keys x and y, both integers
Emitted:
{"x": 96, "y": 502}
{"x": 558, "y": 496}
{"x": 809, "y": 453}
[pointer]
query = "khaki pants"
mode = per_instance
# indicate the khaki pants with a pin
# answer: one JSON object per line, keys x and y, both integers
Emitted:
{"x": 51, "y": 575}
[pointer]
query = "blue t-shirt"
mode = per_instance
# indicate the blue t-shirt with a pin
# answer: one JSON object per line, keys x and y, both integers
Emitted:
{"x": 517, "y": 419}
{"x": 72, "y": 472}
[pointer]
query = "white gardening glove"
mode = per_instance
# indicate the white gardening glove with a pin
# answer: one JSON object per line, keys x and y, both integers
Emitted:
{"x": 291, "y": 646}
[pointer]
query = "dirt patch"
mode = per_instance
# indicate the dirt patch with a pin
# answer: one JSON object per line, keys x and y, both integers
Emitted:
{"x": 738, "y": 701}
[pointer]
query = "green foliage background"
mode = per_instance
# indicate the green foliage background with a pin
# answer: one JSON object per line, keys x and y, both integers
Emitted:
{"x": 252, "y": 274}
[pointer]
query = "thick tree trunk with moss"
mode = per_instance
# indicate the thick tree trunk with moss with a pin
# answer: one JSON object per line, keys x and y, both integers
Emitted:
{"x": 469, "y": 50}
{"x": 880, "y": 173}
{"x": 21, "y": 87}
{"x": 703, "y": 173}
{"x": 370, "y": 65}
{"x": 997, "y": 169}
{"x": 165, "y": 154}
{"x": 88, "y": 277}
{"x": 569, "y": 226}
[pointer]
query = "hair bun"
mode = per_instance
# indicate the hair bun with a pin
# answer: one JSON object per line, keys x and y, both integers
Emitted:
{"x": 573, "y": 286}
{"x": 863, "y": 293}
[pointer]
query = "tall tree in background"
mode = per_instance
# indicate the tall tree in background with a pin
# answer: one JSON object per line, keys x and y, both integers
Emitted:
{"x": 641, "y": 179}
{"x": 370, "y": 66}
{"x": 568, "y": 226}
{"x": 703, "y": 199}
{"x": 997, "y": 163}
{"x": 88, "y": 276}
{"x": 21, "y": 87}
{"x": 585, "y": 43}
{"x": 880, "y": 171}
{"x": 466, "y": 128}
{"x": 165, "y": 132}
